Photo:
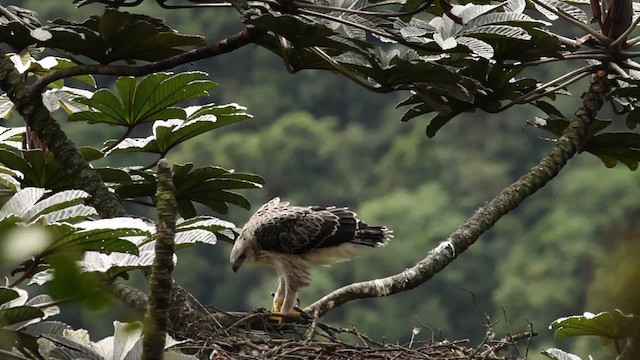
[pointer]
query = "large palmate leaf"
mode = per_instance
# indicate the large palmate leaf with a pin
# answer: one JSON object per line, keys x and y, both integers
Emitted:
{"x": 38, "y": 226}
{"x": 197, "y": 230}
{"x": 211, "y": 186}
{"x": 18, "y": 311}
{"x": 612, "y": 325}
{"x": 569, "y": 9}
{"x": 125, "y": 344}
{"x": 104, "y": 235}
{"x": 65, "y": 206}
{"x": 38, "y": 169}
{"x": 27, "y": 64}
{"x": 611, "y": 147}
{"x": 168, "y": 134}
{"x": 109, "y": 37}
{"x": 20, "y": 28}
{"x": 11, "y": 138}
{"x": 558, "y": 354}
{"x": 144, "y": 100}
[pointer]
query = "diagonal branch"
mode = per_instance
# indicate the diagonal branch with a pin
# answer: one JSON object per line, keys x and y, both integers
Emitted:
{"x": 508, "y": 199}
{"x": 242, "y": 38}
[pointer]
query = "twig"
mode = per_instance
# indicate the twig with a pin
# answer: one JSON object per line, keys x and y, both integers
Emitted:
{"x": 312, "y": 329}
{"x": 243, "y": 320}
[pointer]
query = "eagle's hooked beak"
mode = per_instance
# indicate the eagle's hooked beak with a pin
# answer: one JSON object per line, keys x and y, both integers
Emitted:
{"x": 239, "y": 261}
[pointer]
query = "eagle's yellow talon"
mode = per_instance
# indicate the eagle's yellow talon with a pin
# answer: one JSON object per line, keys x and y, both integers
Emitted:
{"x": 277, "y": 305}
{"x": 293, "y": 316}
{"x": 276, "y": 319}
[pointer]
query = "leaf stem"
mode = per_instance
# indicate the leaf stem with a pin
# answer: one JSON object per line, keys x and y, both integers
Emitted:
{"x": 12, "y": 355}
{"x": 551, "y": 86}
{"x": 29, "y": 272}
{"x": 242, "y": 38}
{"x": 117, "y": 142}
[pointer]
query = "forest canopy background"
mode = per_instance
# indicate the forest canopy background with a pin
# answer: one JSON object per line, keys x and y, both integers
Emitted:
{"x": 320, "y": 139}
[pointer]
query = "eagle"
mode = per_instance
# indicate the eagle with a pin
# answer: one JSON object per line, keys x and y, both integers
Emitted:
{"x": 292, "y": 239}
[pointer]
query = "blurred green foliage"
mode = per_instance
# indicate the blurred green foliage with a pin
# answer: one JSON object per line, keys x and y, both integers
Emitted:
{"x": 319, "y": 139}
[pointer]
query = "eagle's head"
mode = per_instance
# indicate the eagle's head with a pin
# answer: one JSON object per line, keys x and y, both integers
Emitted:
{"x": 244, "y": 249}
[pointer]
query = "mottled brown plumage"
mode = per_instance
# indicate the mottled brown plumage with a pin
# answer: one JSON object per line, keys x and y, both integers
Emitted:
{"x": 292, "y": 239}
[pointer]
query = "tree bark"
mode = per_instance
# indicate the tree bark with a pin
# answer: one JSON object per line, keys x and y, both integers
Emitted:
{"x": 508, "y": 199}
{"x": 156, "y": 318}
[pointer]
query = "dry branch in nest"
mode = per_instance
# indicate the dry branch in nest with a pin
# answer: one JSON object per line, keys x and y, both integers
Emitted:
{"x": 255, "y": 336}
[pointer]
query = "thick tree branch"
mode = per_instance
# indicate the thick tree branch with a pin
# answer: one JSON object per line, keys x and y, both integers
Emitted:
{"x": 156, "y": 318}
{"x": 244, "y": 37}
{"x": 66, "y": 154}
{"x": 508, "y": 199}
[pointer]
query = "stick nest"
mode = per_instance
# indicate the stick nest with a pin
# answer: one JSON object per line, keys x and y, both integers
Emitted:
{"x": 256, "y": 336}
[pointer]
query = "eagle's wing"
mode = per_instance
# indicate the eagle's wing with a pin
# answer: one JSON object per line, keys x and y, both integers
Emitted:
{"x": 293, "y": 229}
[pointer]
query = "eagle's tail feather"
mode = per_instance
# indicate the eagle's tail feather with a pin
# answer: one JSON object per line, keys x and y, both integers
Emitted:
{"x": 373, "y": 236}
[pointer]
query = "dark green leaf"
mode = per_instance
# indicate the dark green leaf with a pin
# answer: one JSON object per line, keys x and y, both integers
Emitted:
{"x": 90, "y": 154}
{"x": 7, "y": 295}
{"x": 633, "y": 118}
{"x": 38, "y": 170}
{"x": 613, "y": 325}
{"x": 614, "y": 147}
{"x": 25, "y": 343}
{"x": 108, "y": 38}
{"x": 18, "y": 314}
{"x": 17, "y": 35}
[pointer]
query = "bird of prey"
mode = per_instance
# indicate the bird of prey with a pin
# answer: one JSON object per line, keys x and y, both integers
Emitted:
{"x": 292, "y": 239}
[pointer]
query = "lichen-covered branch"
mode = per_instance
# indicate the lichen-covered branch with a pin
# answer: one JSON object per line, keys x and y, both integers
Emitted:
{"x": 156, "y": 318}
{"x": 508, "y": 199}
{"x": 66, "y": 154}
{"x": 135, "y": 298}
{"x": 242, "y": 38}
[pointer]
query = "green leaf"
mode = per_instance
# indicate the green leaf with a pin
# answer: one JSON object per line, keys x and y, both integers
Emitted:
{"x": 614, "y": 147}
{"x": 11, "y": 138}
{"x": 9, "y": 179}
{"x": 25, "y": 343}
{"x": 90, "y": 153}
{"x": 45, "y": 328}
{"x": 114, "y": 176}
{"x": 144, "y": 100}
{"x": 104, "y": 235}
{"x": 7, "y": 294}
{"x": 214, "y": 226}
{"x": 613, "y": 325}
{"x": 21, "y": 202}
{"x": 209, "y": 185}
{"x": 19, "y": 314}
{"x": 168, "y": 134}
{"x": 39, "y": 170}
{"x": 557, "y": 354}
{"x": 633, "y": 118}
{"x": 58, "y": 201}
{"x": 107, "y": 38}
